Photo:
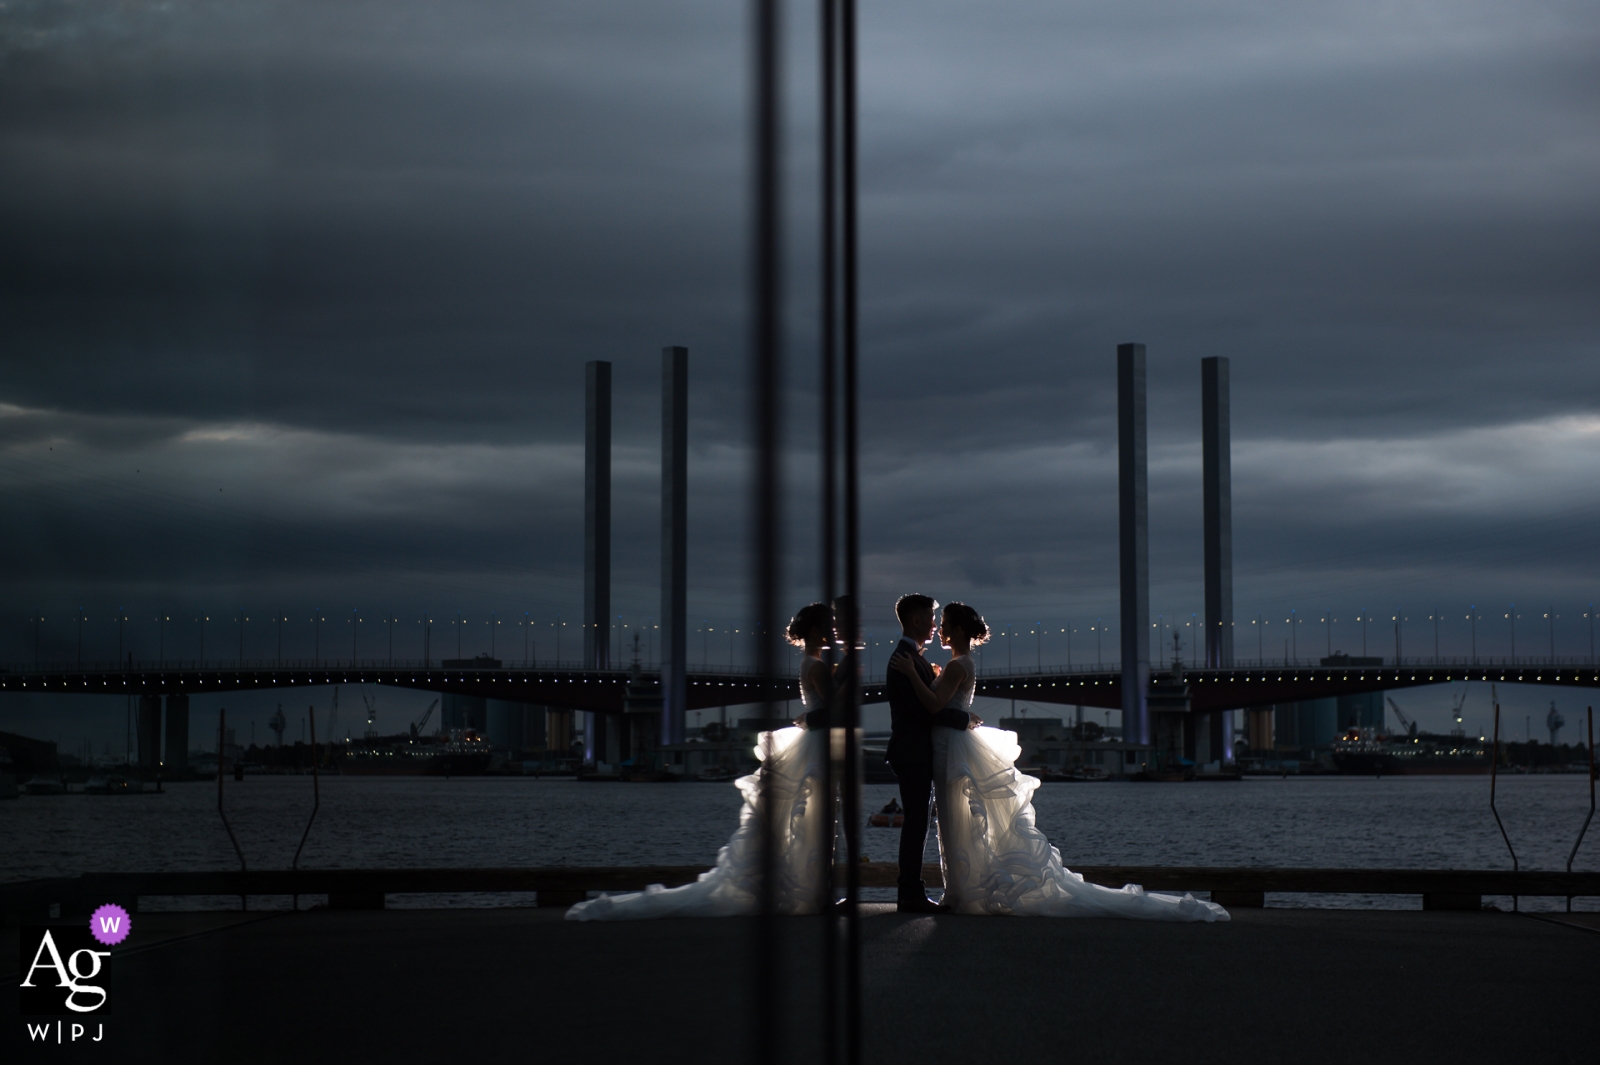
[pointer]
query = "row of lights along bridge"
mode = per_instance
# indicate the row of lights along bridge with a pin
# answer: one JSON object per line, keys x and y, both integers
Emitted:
{"x": 1009, "y": 637}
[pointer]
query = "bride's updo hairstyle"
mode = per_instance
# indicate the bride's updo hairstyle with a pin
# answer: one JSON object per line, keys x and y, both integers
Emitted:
{"x": 810, "y": 617}
{"x": 967, "y": 620}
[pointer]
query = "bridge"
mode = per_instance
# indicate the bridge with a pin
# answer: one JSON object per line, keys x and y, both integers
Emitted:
{"x": 605, "y": 691}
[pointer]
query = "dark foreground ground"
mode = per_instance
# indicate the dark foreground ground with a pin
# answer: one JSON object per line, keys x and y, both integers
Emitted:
{"x": 522, "y": 985}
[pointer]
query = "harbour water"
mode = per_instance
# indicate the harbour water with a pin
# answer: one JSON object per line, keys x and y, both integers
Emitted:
{"x": 1394, "y": 822}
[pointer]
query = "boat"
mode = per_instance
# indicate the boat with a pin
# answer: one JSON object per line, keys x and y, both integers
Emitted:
{"x": 717, "y": 774}
{"x": 113, "y": 783}
{"x": 462, "y": 753}
{"x": 891, "y": 816}
{"x": 1364, "y": 752}
{"x": 41, "y": 785}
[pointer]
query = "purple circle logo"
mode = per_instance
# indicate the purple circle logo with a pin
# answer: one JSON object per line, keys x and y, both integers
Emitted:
{"x": 110, "y": 924}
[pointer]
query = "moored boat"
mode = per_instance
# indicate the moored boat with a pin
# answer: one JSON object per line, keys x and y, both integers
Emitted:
{"x": 1361, "y": 752}
{"x": 8, "y": 776}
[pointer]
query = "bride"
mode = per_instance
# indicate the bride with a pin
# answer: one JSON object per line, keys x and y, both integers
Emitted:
{"x": 792, "y": 770}
{"x": 995, "y": 861}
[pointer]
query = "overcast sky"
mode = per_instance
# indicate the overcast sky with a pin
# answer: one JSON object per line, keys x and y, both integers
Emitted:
{"x": 296, "y": 299}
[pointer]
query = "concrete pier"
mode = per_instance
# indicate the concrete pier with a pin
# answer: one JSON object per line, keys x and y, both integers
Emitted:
{"x": 1133, "y": 541}
{"x": 1272, "y": 985}
{"x": 148, "y": 732}
{"x": 674, "y": 542}
{"x": 177, "y": 738}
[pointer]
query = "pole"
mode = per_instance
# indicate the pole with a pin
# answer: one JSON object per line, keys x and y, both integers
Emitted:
{"x": 766, "y": 317}
{"x": 852, "y": 529}
{"x": 829, "y": 326}
{"x": 316, "y": 797}
{"x": 222, "y": 750}
{"x": 1494, "y": 763}
{"x": 1584, "y": 830}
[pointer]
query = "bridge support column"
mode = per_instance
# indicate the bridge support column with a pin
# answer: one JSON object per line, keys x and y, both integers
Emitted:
{"x": 1216, "y": 444}
{"x": 596, "y": 536}
{"x": 557, "y": 731}
{"x": 149, "y": 734}
{"x": 177, "y": 745}
{"x": 1259, "y": 728}
{"x": 1133, "y": 536}
{"x": 597, "y": 519}
{"x": 674, "y": 541}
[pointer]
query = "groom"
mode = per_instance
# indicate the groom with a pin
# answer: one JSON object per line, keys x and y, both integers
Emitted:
{"x": 910, "y": 752}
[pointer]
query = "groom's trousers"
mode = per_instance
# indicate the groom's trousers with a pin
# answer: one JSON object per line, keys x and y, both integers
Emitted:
{"x": 916, "y": 795}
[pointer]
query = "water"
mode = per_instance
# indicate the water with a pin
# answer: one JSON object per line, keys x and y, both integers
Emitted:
{"x": 1395, "y": 822}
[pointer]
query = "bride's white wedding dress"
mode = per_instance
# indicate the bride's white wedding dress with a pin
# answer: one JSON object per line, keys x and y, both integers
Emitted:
{"x": 792, "y": 759}
{"x": 996, "y": 861}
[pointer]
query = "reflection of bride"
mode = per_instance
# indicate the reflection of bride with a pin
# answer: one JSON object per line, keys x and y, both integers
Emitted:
{"x": 791, "y": 765}
{"x": 995, "y": 860}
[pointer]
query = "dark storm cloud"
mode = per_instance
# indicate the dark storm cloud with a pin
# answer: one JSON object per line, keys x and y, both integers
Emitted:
{"x": 297, "y": 297}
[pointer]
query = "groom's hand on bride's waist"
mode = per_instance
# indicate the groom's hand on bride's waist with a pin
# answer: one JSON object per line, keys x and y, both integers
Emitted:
{"x": 974, "y": 721}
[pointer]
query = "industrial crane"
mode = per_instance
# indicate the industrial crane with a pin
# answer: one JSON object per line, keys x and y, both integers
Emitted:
{"x": 1409, "y": 725}
{"x": 1455, "y": 711}
{"x": 422, "y": 722}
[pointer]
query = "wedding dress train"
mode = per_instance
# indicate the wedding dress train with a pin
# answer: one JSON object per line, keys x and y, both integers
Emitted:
{"x": 792, "y": 760}
{"x": 995, "y": 859}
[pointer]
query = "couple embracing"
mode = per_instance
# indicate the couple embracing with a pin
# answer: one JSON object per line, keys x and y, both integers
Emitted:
{"x": 993, "y": 856}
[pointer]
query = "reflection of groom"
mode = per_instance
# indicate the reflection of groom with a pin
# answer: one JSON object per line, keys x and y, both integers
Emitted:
{"x": 910, "y": 752}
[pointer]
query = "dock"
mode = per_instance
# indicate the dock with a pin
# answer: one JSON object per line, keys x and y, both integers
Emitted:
{"x": 523, "y": 984}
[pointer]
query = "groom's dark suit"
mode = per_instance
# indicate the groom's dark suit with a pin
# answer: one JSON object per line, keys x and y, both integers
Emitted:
{"x": 910, "y": 755}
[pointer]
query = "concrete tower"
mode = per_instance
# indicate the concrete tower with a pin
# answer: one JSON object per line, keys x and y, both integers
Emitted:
{"x": 1133, "y": 541}
{"x": 596, "y": 541}
{"x": 177, "y": 757}
{"x": 597, "y": 519}
{"x": 674, "y": 541}
{"x": 1217, "y": 483}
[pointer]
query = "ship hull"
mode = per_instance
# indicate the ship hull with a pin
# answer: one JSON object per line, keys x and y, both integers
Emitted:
{"x": 1371, "y": 765}
{"x": 465, "y": 765}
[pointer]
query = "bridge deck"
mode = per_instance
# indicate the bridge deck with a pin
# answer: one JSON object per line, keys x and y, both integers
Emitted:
{"x": 604, "y": 690}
